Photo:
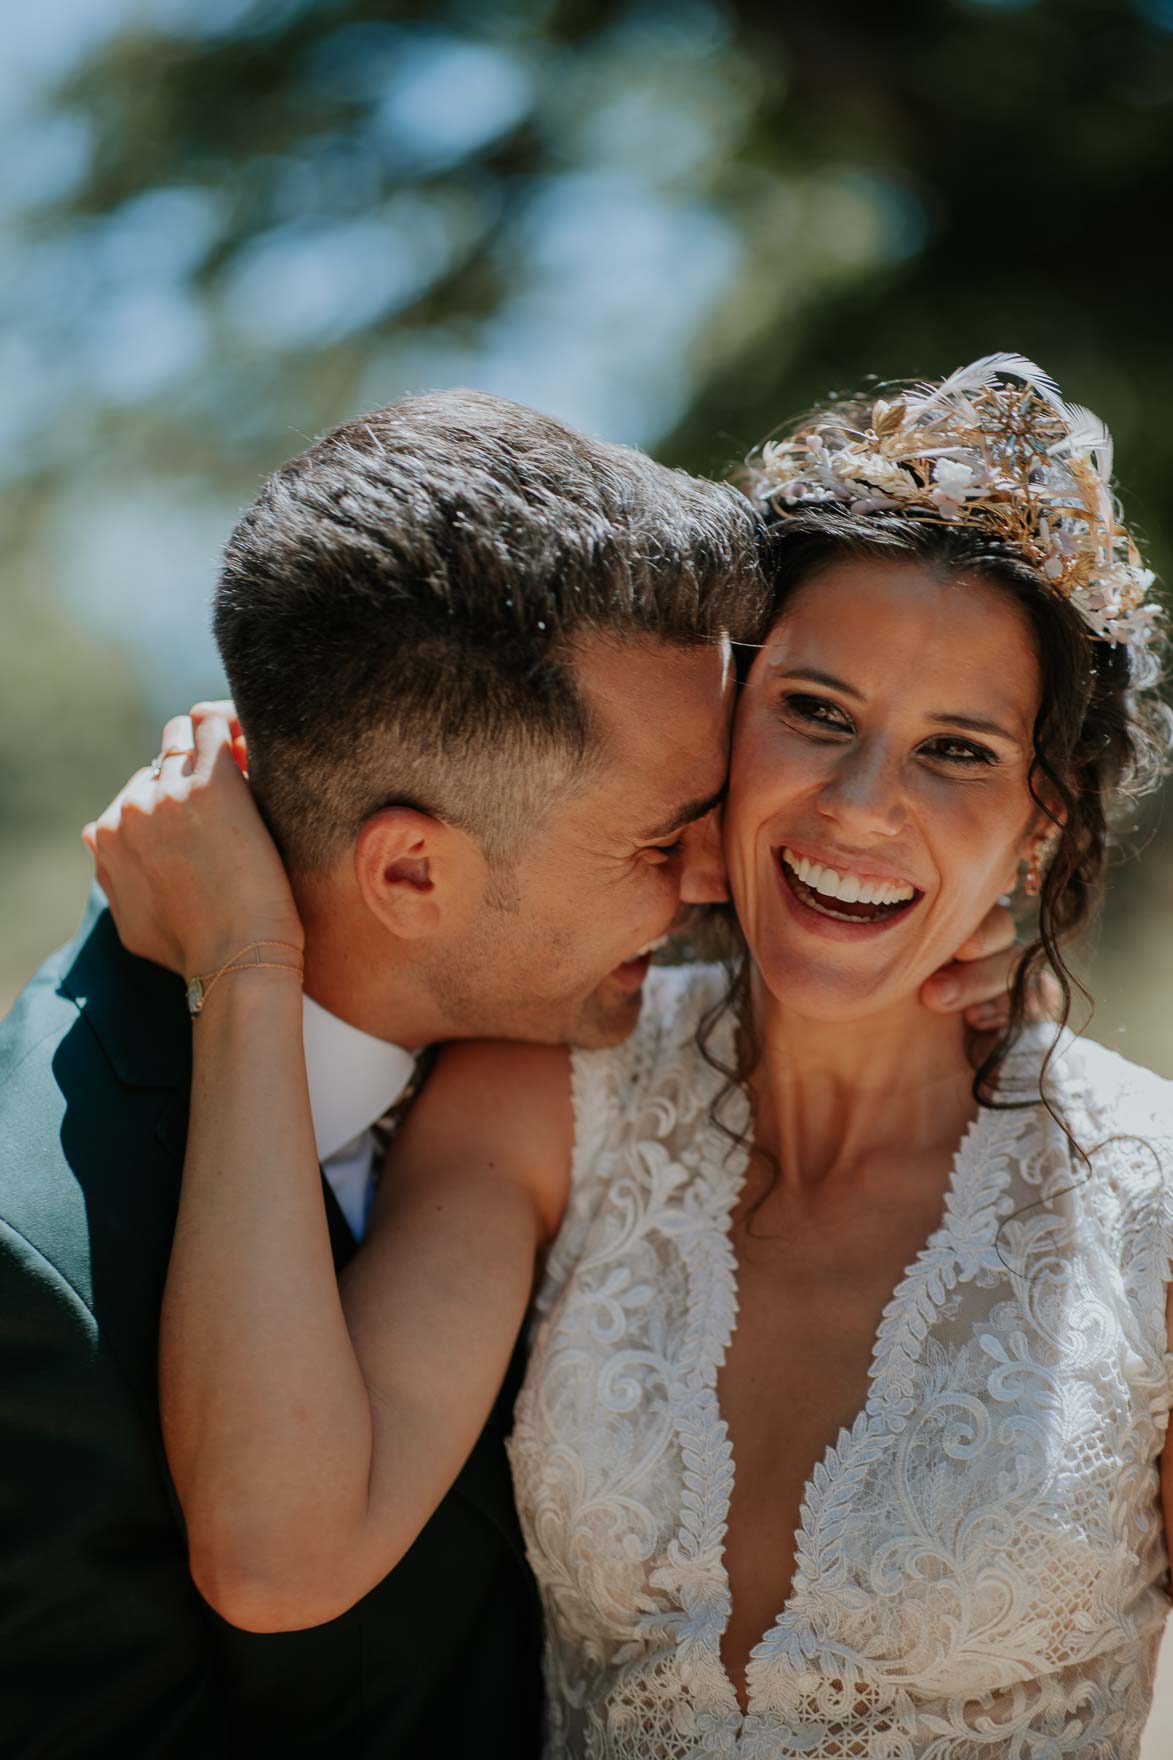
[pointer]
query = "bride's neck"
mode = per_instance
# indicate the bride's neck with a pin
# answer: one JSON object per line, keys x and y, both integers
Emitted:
{"x": 828, "y": 1094}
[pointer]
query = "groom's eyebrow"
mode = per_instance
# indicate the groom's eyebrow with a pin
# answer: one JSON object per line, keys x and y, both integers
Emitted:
{"x": 686, "y": 815}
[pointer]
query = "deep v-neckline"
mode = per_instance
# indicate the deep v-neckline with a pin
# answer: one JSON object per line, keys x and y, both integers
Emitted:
{"x": 915, "y": 1298}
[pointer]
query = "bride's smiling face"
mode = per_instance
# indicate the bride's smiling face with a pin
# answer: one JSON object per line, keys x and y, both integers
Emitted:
{"x": 878, "y": 794}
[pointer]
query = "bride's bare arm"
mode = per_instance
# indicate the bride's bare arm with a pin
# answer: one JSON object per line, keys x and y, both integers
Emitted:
{"x": 311, "y": 1437}
{"x": 308, "y": 1453}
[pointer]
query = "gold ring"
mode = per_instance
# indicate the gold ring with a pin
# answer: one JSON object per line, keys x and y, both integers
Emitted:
{"x": 171, "y": 752}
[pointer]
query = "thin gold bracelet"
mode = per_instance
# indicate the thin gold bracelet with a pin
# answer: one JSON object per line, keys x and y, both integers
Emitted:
{"x": 200, "y": 988}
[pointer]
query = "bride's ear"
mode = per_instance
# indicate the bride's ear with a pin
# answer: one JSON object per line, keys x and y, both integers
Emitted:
{"x": 409, "y": 869}
{"x": 1038, "y": 846}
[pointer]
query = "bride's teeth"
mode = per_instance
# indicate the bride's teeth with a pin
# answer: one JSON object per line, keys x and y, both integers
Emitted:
{"x": 830, "y": 883}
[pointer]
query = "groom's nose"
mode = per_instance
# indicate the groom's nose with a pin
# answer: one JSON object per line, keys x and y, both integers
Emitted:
{"x": 702, "y": 878}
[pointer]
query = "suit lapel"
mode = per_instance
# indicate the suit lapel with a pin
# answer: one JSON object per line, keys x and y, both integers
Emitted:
{"x": 136, "y": 1010}
{"x": 139, "y": 1016}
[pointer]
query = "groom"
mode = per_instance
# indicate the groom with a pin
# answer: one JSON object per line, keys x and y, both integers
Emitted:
{"x": 482, "y": 665}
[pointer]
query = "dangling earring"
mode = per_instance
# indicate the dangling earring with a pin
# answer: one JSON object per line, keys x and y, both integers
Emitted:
{"x": 1033, "y": 884}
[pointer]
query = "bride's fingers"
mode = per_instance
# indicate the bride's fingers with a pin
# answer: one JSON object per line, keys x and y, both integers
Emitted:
{"x": 222, "y": 708}
{"x": 212, "y": 734}
{"x": 225, "y": 709}
{"x": 176, "y": 753}
{"x": 136, "y": 796}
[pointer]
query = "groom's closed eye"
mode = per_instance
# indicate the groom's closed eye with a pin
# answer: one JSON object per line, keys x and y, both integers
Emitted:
{"x": 663, "y": 852}
{"x": 685, "y": 816}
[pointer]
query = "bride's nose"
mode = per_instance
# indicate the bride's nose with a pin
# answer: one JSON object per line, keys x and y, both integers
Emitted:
{"x": 865, "y": 791}
{"x": 702, "y": 879}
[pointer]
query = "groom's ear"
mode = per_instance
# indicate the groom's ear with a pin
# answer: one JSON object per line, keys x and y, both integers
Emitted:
{"x": 409, "y": 870}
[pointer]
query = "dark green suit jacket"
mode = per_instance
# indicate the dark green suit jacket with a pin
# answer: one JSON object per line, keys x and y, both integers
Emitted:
{"x": 106, "y": 1648}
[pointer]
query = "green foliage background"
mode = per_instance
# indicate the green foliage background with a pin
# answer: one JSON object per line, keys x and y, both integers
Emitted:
{"x": 232, "y": 223}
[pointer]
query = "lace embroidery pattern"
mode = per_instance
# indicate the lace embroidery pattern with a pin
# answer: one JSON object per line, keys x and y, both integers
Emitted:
{"x": 980, "y": 1566}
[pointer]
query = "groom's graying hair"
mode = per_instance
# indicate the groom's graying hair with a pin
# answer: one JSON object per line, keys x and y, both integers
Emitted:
{"x": 397, "y": 611}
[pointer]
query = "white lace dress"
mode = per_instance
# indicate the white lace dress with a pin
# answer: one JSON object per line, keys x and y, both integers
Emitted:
{"x": 981, "y": 1570}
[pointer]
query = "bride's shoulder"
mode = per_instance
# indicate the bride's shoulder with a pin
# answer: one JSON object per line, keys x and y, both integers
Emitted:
{"x": 1106, "y": 1069}
{"x": 486, "y": 1063}
{"x": 1121, "y": 1117}
{"x": 1109, "y": 1100}
{"x": 501, "y": 1104}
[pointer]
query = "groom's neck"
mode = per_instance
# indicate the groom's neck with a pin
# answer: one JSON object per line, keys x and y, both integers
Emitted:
{"x": 360, "y": 973}
{"x": 387, "y": 1005}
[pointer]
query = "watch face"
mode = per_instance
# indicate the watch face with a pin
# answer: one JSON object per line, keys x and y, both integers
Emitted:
{"x": 195, "y": 995}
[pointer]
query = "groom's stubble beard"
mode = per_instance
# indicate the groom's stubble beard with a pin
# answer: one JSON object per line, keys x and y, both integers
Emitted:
{"x": 498, "y": 983}
{"x": 524, "y": 1004}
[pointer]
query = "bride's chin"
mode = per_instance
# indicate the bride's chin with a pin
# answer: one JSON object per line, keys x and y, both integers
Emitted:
{"x": 818, "y": 990}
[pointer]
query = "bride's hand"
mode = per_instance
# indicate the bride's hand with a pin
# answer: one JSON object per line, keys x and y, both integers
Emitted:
{"x": 189, "y": 870}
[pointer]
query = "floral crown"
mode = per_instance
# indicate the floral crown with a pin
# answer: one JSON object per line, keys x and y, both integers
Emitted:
{"x": 994, "y": 446}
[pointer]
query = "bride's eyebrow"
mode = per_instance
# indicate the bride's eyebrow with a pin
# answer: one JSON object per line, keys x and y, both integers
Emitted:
{"x": 808, "y": 675}
{"x": 972, "y": 724}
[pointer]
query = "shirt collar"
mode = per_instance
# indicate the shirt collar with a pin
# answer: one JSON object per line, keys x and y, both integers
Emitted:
{"x": 353, "y": 1077}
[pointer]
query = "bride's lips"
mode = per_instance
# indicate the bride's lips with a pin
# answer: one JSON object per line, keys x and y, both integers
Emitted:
{"x": 834, "y": 928}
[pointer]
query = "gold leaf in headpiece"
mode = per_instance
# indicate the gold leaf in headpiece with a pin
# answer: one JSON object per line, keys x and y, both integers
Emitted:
{"x": 887, "y": 417}
{"x": 995, "y": 447}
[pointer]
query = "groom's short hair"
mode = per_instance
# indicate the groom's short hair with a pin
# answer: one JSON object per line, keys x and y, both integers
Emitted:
{"x": 397, "y": 611}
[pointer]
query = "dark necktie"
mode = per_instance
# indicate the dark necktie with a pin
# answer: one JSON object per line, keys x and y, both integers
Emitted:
{"x": 384, "y": 1129}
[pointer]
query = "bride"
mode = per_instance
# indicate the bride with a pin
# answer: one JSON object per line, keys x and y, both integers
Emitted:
{"x": 848, "y": 1383}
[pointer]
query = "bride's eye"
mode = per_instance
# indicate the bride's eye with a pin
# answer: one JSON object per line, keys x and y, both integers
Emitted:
{"x": 817, "y": 712}
{"x": 963, "y": 754}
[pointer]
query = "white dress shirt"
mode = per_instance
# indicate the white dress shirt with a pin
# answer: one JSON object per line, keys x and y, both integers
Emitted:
{"x": 353, "y": 1078}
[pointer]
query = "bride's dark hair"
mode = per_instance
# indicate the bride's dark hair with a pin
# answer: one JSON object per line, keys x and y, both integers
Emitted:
{"x": 1101, "y": 739}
